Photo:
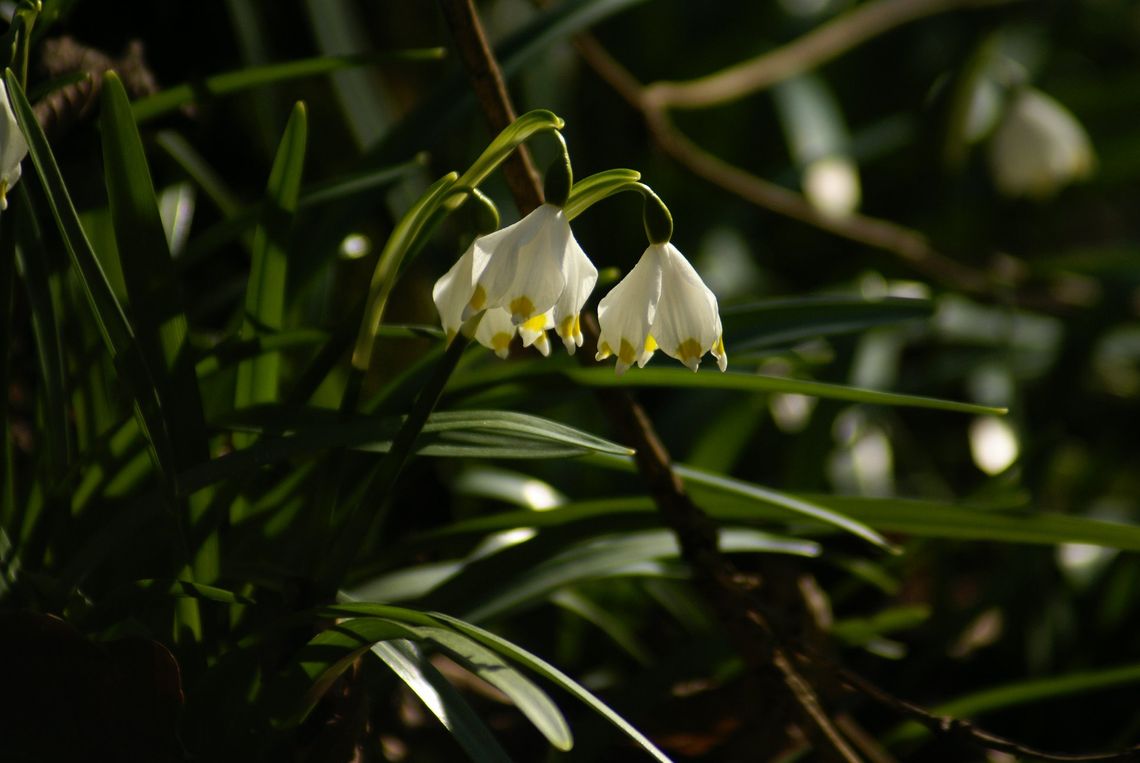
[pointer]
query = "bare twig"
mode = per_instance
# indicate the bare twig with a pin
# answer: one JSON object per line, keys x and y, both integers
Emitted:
{"x": 491, "y": 91}
{"x": 828, "y": 41}
{"x": 908, "y": 245}
{"x": 963, "y": 730}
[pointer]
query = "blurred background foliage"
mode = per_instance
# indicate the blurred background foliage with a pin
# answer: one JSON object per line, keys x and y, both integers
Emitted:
{"x": 1012, "y": 602}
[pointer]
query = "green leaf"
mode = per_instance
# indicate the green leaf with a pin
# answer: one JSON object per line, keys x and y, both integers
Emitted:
{"x": 7, "y": 466}
{"x": 257, "y": 380}
{"x": 347, "y": 186}
{"x": 487, "y": 434}
{"x": 521, "y": 656}
{"x": 781, "y": 321}
{"x": 488, "y": 665}
{"x": 800, "y": 506}
{"x": 32, "y": 256}
{"x": 684, "y": 379}
{"x": 534, "y": 569}
{"x": 199, "y": 171}
{"x": 258, "y": 76}
{"x": 920, "y": 518}
{"x": 942, "y": 520}
{"x": 149, "y": 276}
{"x": 442, "y": 699}
{"x": 612, "y": 623}
{"x": 111, "y": 320}
{"x": 332, "y": 651}
{"x": 857, "y": 631}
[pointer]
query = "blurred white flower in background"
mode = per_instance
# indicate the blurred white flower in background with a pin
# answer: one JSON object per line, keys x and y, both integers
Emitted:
{"x": 1038, "y": 147}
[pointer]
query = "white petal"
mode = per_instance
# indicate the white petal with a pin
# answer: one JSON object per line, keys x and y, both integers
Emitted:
{"x": 13, "y": 147}
{"x": 535, "y": 329}
{"x": 542, "y": 344}
{"x": 495, "y": 331}
{"x": 524, "y": 273}
{"x": 452, "y": 292}
{"x": 627, "y": 312}
{"x": 687, "y": 323}
{"x": 581, "y": 276}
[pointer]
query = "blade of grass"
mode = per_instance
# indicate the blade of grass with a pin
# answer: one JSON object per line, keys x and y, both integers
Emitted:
{"x": 149, "y": 274}
{"x": 291, "y": 434}
{"x": 7, "y": 467}
{"x": 252, "y": 77}
{"x": 781, "y": 321}
{"x": 923, "y": 519}
{"x": 681, "y": 378}
{"x": 530, "y": 571}
{"x": 488, "y": 665}
{"x": 33, "y": 268}
{"x": 114, "y": 328}
{"x": 521, "y": 656}
{"x": 258, "y": 378}
{"x": 442, "y": 699}
{"x": 331, "y": 652}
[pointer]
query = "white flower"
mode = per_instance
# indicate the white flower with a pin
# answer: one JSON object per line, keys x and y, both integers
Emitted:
{"x": 533, "y": 272}
{"x": 661, "y": 304}
{"x": 1038, "y": 147}
{"x": 13, "y": 147}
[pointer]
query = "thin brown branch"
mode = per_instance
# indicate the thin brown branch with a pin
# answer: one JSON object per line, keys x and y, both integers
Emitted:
{"x": 491, "y": 92}
{"x": 826, "y": 42}
{"x": 867, "y": 744}
{"x": 963, "y": 730}
{"x": 908, "y": 245}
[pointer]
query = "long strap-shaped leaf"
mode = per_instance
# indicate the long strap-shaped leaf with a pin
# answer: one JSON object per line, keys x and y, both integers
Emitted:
{"x": 257, "y": 380}
{"x": 442, "y": 699}
{"x": 148, "y": 272}
{"x": 259, "y": 76}
{"x": 117, "y": 333}
{"x": 538, "y": 665}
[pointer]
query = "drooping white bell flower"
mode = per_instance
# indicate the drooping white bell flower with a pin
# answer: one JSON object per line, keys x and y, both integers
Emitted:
{"x": 661, "y": 304}
{"x": 496, "y": 329}
{"x": 13, "y": 147}
{"x": 534, "y": 272}
{"x": 1038, "y": 147}
{"x": 532, "y": 266}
